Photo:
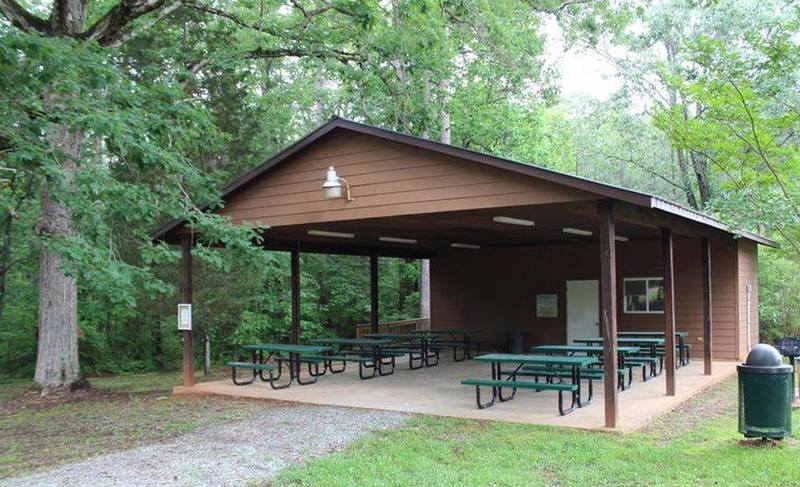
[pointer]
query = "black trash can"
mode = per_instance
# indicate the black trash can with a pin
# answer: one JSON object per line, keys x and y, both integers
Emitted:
{"x": 765, "y": 394}
{"x": 516, "y": 341}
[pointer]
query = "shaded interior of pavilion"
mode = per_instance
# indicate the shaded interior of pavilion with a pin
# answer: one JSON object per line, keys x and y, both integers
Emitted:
{"x": 604, "y": 228}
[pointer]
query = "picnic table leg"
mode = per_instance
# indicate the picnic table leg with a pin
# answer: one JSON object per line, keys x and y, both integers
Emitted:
{"x": 263, "y": 360}
{"x": 511, "y": 376}
{"x": 255, "y": 372}
{"x": 577, "y": 379}
{"x": 494, "y": 391}
{"x": 430, "y": 355}
{"x": 329, "y": 365}
{"x": 653, "y": 366}
{"x": 575, "y": 395}
{"x": 298, "y": 367}
{"x": 316, "y": 372}
{"x": 274, "y": 378}
{"x": 233, "y": 377}
{"x": 363, "y": 365}
{"x": 681, "y": 349}
{"x": 379, "y": 356}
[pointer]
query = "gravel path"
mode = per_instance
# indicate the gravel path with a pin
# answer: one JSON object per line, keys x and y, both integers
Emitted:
{"x": 238, "y": 453}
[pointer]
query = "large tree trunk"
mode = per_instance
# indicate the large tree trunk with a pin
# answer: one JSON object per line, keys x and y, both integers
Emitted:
{"x": 700, "y": 166}
{"x": 57, "y": 357}
{"x": 683, "y": 169}
{"x": 425, "y": 266}
{"x": 425, "y": 288}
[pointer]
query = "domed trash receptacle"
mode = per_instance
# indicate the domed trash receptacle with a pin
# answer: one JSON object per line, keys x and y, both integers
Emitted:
{"x": 765, "y": 394}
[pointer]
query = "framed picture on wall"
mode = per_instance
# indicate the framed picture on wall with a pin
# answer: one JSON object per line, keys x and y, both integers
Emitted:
{"x": 547, "y": 305}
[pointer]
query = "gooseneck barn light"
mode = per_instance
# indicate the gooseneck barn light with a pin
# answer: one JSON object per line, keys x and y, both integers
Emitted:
{"x": 333, "y": 186}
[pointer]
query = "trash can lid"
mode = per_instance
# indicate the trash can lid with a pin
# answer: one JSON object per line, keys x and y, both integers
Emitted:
{"x": 763, "y": 355}
{"x": 764, "y": 359}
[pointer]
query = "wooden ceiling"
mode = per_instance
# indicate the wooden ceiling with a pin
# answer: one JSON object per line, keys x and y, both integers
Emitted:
{"x": 438, "y": 231}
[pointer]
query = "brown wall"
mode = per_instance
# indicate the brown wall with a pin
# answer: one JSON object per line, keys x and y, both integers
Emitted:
{"x": 495, "y": 290}
{"x": 388, "y": 179}
{"x": 747, "y": 263}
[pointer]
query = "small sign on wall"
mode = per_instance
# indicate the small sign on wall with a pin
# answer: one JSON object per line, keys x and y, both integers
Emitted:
{"x": 185, "y": 317}
{"x": 547, "y": 305}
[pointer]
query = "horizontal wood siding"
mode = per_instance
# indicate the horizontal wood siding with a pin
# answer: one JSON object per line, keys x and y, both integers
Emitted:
{"x": 748, "y": 274}
{"x": 495, "y": 290}
{"x": 388, "y": 179}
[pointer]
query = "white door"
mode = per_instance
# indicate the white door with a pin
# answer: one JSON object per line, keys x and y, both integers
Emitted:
{"x": 583, "y": 310}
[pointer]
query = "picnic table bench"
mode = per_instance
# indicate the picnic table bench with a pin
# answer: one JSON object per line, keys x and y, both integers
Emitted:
{"x": 509, "y": 378}
{"x": 571, "y": 350}
{"x": 650, "y": 361}
{"x": 684, "y": 349}
{"x": 416, "y": 345}
{"x": 459, "y": 338}
{"x": 368, "y": 353}
{"x": 281, "y": 353}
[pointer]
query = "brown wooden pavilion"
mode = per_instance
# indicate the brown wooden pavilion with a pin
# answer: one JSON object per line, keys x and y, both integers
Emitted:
{"x": 503, "y": 236}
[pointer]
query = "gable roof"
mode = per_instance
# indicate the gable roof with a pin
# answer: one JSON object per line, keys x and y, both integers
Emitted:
{"x": 637, "y": 198}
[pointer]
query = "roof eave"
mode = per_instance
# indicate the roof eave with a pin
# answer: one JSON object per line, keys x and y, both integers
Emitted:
{"x": 575, "y": 182}
{"x": 683, "y": 212}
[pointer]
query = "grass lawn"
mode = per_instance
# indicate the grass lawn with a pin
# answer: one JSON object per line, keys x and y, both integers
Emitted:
{"x": 118, "y": 413}
{"x": 695, "y": 445}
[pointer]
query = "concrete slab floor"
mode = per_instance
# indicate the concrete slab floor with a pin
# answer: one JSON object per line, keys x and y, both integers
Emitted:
{"x": 437, "y": 391}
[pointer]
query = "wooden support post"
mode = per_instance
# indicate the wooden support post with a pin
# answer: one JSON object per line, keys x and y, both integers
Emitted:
{"x": 374, "y": 287}
{"x": 707, "y": 328}
{"x": 608, "y": 310}
{"x": 669, "y": 309}
{"x": 186, "y": 298}
{"x": 295, "y": 258}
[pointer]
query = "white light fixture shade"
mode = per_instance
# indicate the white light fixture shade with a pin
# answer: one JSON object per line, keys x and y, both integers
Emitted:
{"x": 620, "y": 238}
{"x": 513, "y": 221}
{"x": 332, "y": 187}
{"x": 398, "y": 240}
{"x": 464, "y": 246}
{"x": 577, "y": 231}
{"x": 323, "y": 233}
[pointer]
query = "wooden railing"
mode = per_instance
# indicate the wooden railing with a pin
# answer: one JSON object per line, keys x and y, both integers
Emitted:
{"x": 403, "y": 326}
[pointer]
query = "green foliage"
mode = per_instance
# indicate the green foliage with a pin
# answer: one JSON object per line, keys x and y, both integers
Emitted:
{"x": 779, "y": 307}
{"x": 709, "y": 103}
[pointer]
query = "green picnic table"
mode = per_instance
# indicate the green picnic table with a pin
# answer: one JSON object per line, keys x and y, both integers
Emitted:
{"x": 281, "y": 353}
{"x": 416, "y": 345}
{"x": 622, "y": 352}
{"x": 465, "y": 342}
{"x": 649, "y": 343}
{"x": 520, "y": 362}
{"x": 683, "y": 349}
{"x": 367, "y": 352}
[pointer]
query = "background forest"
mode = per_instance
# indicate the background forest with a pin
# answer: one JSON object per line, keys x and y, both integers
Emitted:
{"x": 705, "y": 111}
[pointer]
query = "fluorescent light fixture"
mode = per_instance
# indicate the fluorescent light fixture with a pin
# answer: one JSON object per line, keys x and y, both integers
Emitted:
{"x": 398, "y": 240}
{"x": 464, "y": 246}
{"x": 620, "y": 238}
{"x": 322, "y": 233}
{"x": 577, "y": 231}
{"x": 513, "y": 221}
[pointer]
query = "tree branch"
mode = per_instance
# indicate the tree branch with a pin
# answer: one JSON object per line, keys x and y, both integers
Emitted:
{"x": 555, "y": 8}
{"x": 114, "y": 28}
{"x": 225, "y": 15}
{"x": 22, "y": 19}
